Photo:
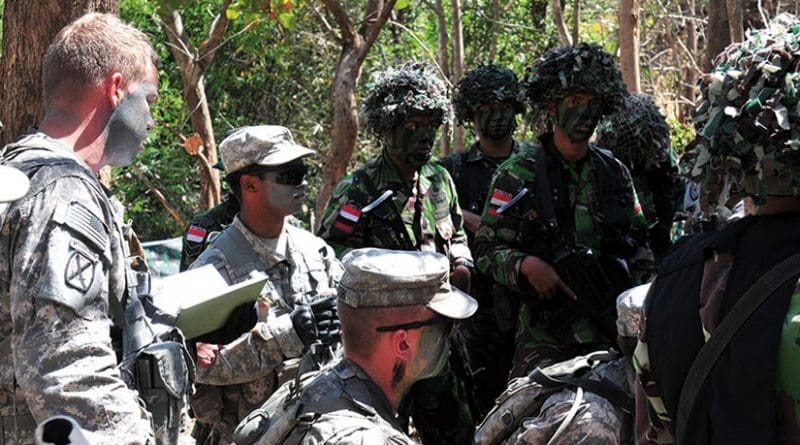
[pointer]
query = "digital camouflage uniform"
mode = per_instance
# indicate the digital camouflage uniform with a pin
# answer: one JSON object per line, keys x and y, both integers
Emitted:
{"x": 300, "y": 268}
{"x": 62, "y": 281}
{"x": 422, "y": 214}
{"x": 746, "y": 127}
{"x": 204, "y": 227}
{"x": 638, "y": 136}
{"x": 489, "y": 334}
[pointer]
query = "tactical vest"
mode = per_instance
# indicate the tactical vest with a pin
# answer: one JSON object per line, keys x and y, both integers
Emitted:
{"x": 157, "y": 366}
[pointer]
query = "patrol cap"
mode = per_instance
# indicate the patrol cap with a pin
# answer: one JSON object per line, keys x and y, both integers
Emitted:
{"x": 267, "y": 145}
{"x": 13, "y": 184}
{"x": 381, "y": 278}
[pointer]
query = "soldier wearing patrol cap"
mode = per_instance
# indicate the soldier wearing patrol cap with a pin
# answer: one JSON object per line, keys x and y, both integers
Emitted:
{"x": 397, "y": 309}
{"x": 238, "y": 364}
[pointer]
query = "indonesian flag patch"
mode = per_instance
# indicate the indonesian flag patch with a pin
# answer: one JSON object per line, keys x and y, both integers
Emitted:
{"x": 500, "y": 198}
{"x": 637, "y": 210}
{"x": 196, "y": 234}
{"x": 350, "y": 213}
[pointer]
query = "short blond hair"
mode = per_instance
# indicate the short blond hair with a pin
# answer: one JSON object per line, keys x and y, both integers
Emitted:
{"x": 87, "y": 50}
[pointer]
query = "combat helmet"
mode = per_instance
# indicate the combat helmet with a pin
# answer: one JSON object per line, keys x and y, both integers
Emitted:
{"x": 584, "y": 67}
{"x": 637, "y": 133}
{"x": 747, "y": 120}
{"x": 397, "y": 92}
{"x": 483, "y": 85}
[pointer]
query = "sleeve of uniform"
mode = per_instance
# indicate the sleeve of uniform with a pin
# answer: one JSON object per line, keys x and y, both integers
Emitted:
{"x": 63, "y": 357}
{"x": 458, "y": 243}
{"x": 651, "y": 414}
{"x": 343, "y": 224}
{"x": 345, "y": 430}
{"x": 194, "y": 241}
{"x": 254, "y": 354}
{"x": 495, "y": 240}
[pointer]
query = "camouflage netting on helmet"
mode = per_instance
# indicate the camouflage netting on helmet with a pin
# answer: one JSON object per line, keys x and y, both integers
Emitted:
{"x": 637, "y": 133}
{"x": 584, "y": 67}
{"x": 748, "y": 118}
{"x": 398, "y": 92}
{"x": 484, "y": 85}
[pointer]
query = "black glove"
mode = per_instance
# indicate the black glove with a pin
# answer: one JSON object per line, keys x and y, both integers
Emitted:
{"x": 317, "y": 321}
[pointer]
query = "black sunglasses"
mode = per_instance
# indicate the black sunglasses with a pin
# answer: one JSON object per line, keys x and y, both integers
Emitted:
{"x": 293, "y": 174}
{"x": 436, "y": 319}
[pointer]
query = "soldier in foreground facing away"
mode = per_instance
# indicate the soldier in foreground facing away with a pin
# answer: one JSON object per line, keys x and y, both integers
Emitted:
{"x": 64, "y": 279}
{"x": 401, "y": 200}
{"x": 397, "y": 309}
{"x": 561, "y": 222}
{"x": 719, "y": 357}
{"x": 239, "y": 364}
{"x": 638, "y": 136}
{"x": 488, "y": 99}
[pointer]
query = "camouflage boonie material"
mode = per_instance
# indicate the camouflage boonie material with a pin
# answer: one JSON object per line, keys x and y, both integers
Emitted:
{"x": 204, "y": 227}
{"x": 747, "y": 120}
{"x": 486, "y": 84}
{"x": 62, "y": 261}
{"x": 300, "y": 269}
{"x": 428, "y": 208}
{"x": 264, "y": 145}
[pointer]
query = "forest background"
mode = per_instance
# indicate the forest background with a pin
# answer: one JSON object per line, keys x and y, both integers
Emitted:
{"x": 304, "y": 64}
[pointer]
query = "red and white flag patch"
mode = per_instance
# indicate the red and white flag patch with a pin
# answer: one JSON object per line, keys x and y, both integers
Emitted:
{"x": 196, "y": 234}
{"x": 500, "y": 198}
{"x": 350, "y": 213}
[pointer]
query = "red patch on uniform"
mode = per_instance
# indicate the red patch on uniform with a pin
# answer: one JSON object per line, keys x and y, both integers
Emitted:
{"x": 196, "y": 234}
{"x": 346, "y": 228}
{"x": 350, "y": 213}
{"x": 493, "y": 212}
{"x": 500, "y": 198}
{"x": 637, "y": 210}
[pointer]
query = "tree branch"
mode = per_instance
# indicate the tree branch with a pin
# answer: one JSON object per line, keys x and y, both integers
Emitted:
{"x": 325, "y": 24}
{"x": 348, "y": 33}
{"x": 375, "y": 28}
{"x": 176, "y": 35}
{"x": 218, "y": 28}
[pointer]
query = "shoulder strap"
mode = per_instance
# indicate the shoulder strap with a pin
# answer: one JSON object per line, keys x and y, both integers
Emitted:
{"x": 753, "y": 297}
{"x": 544, "y": 193}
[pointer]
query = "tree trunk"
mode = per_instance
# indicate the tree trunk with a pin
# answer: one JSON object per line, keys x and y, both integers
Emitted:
{"x": 195, "y": 97}
{"x": 735, "y": 20}
{"x": 538, "y": 11}
{"x": 344, "y": 125}
{"x": 576, "y": 22}
{"x": 459, "y": 135}
{"x": 495, "y": 31}
{"x": 629, "y": 44}
{"x": 689, "y": 88}
{"x": 718, "y": 32}
{"x": 558, "y": 19}
{"x": 444, "y": 64}
{"x": 28, "y": 29}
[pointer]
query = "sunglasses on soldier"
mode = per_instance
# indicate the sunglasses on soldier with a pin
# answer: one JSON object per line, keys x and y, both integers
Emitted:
{"x": 436, "y": 319}
{"x": 291, "y": 174}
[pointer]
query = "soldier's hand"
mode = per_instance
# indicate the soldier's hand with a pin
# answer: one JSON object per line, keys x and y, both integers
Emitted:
{"x": 327, "y": 318}
{"x": 471, "y": 220}
{"x": 461, "y": 277}
{"x": 206, "y": 354}
{"x": 304, "y": 324}
{"x": 543, "y": 278}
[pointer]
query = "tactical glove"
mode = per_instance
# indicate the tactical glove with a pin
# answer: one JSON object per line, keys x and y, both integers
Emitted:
{"x": 317, "y": 321}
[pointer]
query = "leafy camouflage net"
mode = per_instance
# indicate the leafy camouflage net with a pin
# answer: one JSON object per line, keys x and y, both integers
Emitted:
{"x": 584, "y": 67}
{"x": 483, "y": 85}
{"x": 637, "y": 133}
{"x": 748, "y": 120}
{"x": 397, "y": 92}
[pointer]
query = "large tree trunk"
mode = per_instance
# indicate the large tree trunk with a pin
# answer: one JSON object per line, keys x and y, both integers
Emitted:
{"x": 28, "y": 28}
{"x": 457, "y": 72}
{"x": 689, "y": 86}
{"x": 735, "y": 20}
{"x": 444, "y": 64}
{"x": 629, "y": 44}
{"x": 718, "y": 31}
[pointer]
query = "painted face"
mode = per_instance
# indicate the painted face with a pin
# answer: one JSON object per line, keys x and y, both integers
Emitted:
{"x": 495, "y": 121}
{"x": 130, "y": 123}
{"x": 287, "y": 187}
{"x": 434, "y": 345}
{"x": 577, "y": 115}
{"x": 413, "y": 142}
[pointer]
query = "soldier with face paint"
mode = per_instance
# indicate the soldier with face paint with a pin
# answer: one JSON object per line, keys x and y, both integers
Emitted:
{"x": 562, "y": 200}
{"x": 239, "y": 364}
{"x": 400, "y": 200}
{"x": 488, "y": 100}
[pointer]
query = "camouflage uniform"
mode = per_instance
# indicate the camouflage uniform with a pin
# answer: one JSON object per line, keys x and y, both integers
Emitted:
{"x": 62, "y": 274}
{"x": 751, "y": 393}
{"x": 205, "y": 227}
{"x": 344, "y": 406}
{"x": 247, "y": 370}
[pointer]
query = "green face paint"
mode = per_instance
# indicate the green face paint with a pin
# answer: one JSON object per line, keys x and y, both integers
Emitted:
{"x": 434, "y": 344}
{"x": 129, "y": 125}
{"x": 413, "y": 143}
{"x": 579, "y": 121}
{"x": 496, "y": 123}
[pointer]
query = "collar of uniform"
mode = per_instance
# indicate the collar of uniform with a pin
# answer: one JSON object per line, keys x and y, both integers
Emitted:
{"x": 475, "y": 154}
{"x": 347, "y": 369}
{"x": 387, "y": 174}
{"x": 271, "y": 251}
{"x": 53, "y": 145}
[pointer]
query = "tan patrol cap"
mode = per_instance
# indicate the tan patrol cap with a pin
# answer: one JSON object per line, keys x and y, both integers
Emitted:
{"x": 13, "y": 184}
{"x": 267, "y": 145}
{"x": 381, "y": 278}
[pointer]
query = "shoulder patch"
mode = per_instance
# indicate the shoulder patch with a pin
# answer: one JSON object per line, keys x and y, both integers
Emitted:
{"x": 79, "y": 273}
{"x": 196, "y": 234}
{"x": 83, "y": 222}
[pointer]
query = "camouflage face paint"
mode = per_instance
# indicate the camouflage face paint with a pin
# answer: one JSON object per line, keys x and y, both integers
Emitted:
{"x": 413, "y": 144}
{"x": 286, "y": 197}
{"x": 129, "y": 125}
{"x": 496, "y": 122}
{"x": 434, "y": 345}
{"x": 578, "y": 121}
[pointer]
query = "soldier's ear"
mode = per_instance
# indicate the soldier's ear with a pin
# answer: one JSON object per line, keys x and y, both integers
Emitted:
{"x": 114, "y": 88}
{"x": 249, "y": 183}
{"x": 401, "y": 344}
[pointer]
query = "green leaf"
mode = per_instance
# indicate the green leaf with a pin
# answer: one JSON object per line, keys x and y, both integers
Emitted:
{"x": 233, "y": 12}
{"x": 287, "y": 20}
{"x": 402, "y": 4}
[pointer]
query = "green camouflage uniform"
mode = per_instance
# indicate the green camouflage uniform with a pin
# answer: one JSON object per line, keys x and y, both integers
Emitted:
{"x": 591, "y": 212}
{"x": 205, "y": 227}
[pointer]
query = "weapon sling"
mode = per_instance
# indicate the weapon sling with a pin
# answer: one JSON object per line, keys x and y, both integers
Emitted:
{"x": 748, "y": 303}
{"x": 397, "y": 221}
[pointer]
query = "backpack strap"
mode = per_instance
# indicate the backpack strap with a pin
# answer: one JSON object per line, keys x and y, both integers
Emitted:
{"x": 748, "y": 303}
